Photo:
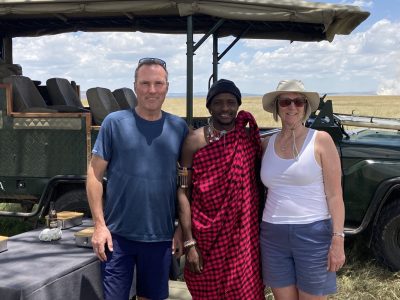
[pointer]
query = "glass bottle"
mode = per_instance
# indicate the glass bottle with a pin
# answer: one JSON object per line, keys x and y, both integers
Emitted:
{"x": 52, "y": 222}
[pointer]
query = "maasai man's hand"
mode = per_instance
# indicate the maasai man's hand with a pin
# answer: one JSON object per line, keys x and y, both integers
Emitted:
{"x": 194, "y": 260}
{"x": 177, "y": 243}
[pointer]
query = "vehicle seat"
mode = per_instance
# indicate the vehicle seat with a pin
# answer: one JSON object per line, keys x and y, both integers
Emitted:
{"x": 125, "y": 97}
{"x": 101, "y": 102}
{"x": 7, "y": 70}
{"x": 61, "y": 92}
{"x": 26, "y": 96}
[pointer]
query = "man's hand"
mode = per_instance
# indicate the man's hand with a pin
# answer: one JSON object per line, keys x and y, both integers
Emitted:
{"x": 194, "y": 260}
{"x": 177, "y": 243}
{"x": 100, "y": 239}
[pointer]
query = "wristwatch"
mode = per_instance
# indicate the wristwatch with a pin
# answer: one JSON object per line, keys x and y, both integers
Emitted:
{"x": 341, "y": 234}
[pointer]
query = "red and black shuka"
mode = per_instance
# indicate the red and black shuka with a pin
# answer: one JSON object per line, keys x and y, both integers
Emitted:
{"x": 225, "y": 202}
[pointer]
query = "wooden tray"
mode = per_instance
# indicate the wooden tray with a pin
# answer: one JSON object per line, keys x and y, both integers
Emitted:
{"x": 64, "y": 215}
{"x": 3, "y": 243}
{"x": 68, "y": 219}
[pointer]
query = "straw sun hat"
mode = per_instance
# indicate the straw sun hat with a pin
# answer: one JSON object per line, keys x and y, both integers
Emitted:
{"x": 290, "y": 86}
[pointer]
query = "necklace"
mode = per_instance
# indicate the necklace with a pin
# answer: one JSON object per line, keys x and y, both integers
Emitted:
{"x": 284, "y": 147}
{"x": 213, "y": 134}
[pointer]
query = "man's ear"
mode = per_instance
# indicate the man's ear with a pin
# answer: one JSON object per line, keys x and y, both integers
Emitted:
{"x": 167, "y": 85}
{"x": 134, "y": 86}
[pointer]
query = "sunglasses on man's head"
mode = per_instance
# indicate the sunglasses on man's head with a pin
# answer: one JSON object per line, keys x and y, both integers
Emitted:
{"x": 152, "y": 60}
{"x": 298, "y": 102}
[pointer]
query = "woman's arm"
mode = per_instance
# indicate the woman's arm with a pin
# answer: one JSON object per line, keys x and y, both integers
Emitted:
{"x": 331, "y": 169}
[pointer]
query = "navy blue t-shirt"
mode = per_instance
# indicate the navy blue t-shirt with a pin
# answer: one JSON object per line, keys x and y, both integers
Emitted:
{"x": 141, "y": 173}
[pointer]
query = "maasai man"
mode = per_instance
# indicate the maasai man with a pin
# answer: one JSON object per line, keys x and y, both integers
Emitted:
{"x": 219, "y": 199}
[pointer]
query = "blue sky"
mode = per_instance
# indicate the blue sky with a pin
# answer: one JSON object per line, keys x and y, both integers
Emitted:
{"x": 364, "y": 62}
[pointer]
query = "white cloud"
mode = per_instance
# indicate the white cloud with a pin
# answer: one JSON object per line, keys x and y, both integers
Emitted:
{"x": 360, "y": 62}
{"x": 391, "y": 86}
{"x": 96, "y": 59}
{"x": 360, "y": 3}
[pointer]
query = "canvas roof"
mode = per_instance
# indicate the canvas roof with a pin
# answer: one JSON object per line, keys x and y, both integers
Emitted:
{"x": 264, "y": 19}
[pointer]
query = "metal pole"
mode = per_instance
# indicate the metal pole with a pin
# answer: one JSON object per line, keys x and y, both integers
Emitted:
{"x": 189, "y": 71}
{"x": 6, "y": 50}
{"x": 210, "y": 32}
{"x": 215, "y": 58}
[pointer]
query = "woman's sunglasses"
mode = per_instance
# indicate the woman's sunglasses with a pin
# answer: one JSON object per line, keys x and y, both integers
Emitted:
{"x": 298, "y": 102}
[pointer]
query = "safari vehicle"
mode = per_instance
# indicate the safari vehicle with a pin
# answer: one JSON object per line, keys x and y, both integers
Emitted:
{"x": 370, "y": 160}
{"x": 45, "y": 150}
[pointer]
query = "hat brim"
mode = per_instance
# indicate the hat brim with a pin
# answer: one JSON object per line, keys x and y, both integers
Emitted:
{"x": 268, "y": 99}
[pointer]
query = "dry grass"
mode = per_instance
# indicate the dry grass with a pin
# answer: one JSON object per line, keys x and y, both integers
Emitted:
{"x": 378, "y": 106}
{"x": 10, "y": 226}
{"x": 362, "y": 278}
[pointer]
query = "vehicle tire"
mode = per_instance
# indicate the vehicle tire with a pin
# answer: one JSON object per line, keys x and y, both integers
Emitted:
{"x": 75, "y": 200}
{"x": 386, "y": 236}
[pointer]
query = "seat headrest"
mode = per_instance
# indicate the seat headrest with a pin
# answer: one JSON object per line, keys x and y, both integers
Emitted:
{"x": 61, "y": 92}
{"x": 101, "y": 102}
{"x": 125, "y": 97}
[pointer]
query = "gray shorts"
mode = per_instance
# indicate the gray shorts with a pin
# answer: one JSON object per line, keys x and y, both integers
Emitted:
{"x": 297, "y": 254}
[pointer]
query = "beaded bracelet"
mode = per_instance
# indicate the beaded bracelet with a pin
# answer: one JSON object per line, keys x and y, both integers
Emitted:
{"x": 341, "y": 234}
{"x": 189, "y": 243}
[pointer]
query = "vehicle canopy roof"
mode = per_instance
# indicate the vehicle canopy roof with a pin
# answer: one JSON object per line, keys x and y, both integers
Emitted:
{"x": 264, "y": 19}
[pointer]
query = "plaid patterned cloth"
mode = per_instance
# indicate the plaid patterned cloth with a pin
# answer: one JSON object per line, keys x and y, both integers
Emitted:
{"x": 225, "y": 216}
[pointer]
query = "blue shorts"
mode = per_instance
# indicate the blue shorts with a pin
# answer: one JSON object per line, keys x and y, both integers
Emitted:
{"x": 152, "y": 261}
{"x": 297, "y": 254}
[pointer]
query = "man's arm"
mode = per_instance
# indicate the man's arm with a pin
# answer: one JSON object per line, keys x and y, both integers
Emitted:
{"x": 189, "y": 148}
{"x": 94, "y": 189}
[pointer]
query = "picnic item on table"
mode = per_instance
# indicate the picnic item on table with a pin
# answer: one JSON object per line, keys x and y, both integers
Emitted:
{"x": 68, "y": 219}
{"x": 83, "y": 238}
{"x": 50, "y": 234}
{"x": 3, "y": 243}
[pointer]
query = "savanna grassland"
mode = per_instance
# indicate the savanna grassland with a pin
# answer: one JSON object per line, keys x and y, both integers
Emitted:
{"x": 378, "y": 106}
{"x": 362, "y": 278}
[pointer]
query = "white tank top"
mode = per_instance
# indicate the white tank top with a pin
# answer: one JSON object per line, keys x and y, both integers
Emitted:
{"x": 296, "y": 192}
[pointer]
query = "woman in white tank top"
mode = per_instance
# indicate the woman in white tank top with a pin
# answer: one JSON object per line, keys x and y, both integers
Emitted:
{"x": 302, "y": 238}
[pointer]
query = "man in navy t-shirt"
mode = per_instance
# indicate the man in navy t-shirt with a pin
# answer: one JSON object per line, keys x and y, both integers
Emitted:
{"x": 138, "y": 148}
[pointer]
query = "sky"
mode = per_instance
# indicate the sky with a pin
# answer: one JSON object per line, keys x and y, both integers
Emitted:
{"x": 365, "y": 62}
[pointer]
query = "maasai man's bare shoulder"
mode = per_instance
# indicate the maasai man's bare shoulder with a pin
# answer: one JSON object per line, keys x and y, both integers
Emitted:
{"x": 194, "y": 141}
